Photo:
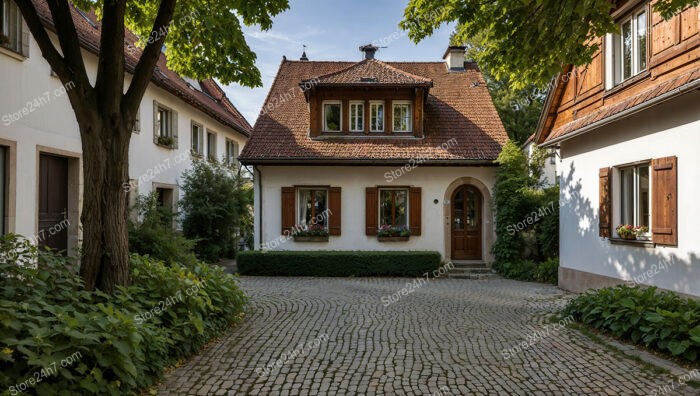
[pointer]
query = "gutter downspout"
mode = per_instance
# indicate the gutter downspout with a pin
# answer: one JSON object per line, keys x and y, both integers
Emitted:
{"x": 259, "y": 209}
{"x": 634, "y": 110}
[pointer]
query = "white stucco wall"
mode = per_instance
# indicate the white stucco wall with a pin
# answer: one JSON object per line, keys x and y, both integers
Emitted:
{"x": 434, "y": 182}
{"x": 53, "y": 125}
{"x": 671, "y": 129}
{"x": 549, "y": 170}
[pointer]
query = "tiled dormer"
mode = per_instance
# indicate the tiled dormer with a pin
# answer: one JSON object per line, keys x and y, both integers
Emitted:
{"x": 367, "y": 99}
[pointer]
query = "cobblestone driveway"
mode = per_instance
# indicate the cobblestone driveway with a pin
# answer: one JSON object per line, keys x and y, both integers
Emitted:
{"x": 446, "y": 337}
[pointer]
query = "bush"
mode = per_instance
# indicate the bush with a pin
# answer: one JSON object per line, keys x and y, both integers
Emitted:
{"x": 116, "y": 344}
{"x": 529, "y": 270}
{"x": 658, "y": 320}
{"x": 216, "y": 206}
{"x": 336, "y": 263}
{"x": 152, "y": 233}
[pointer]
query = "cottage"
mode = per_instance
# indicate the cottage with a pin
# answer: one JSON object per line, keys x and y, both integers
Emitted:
{"x": 628, "y": 129}
{"x": 375, "y": 155}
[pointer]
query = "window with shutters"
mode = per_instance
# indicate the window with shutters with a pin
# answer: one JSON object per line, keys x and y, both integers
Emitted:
{"x": 164, "y": 126}
{"x": 197, "y": 140}
{"x": 312, "y": 207}
{"x": 634, "y": 203}
{"x": 10, "y": 26}
{"x": 393, "y": 207}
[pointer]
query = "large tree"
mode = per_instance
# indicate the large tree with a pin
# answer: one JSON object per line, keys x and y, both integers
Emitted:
{"x": 203, "y": 39}
{"x": 524, "y": 41}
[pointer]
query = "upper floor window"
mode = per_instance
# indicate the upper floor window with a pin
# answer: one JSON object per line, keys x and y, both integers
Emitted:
{"x": 164, "y": 125}
{"x": 402, "y": 116}
{"x": 211, "y": 145}
{"x": 231, "y": 152}
{"x": 137, "y": 122}
{"x": 197, "y": 145}
{"x": 357, "y": 116}
{"x": 629, "y": 56}
{"x": 332, "y": 114}
{"x": 10, "y": 26}
{"x": 376, "y": 117}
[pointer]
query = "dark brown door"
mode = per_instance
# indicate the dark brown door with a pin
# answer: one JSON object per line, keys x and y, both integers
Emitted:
{"x": 53, "y": 202}
{"x": 466, "y": 223}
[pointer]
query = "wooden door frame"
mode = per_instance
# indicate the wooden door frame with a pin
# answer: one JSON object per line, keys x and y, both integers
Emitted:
{"x": 480, "y": 217}
{"x": 75, "y": 193}
{"x": 11, "y": 191}
{"x": 487, "y": 230}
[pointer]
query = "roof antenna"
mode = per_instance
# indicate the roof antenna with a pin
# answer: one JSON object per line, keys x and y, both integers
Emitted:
{"x": 303, "y": 54}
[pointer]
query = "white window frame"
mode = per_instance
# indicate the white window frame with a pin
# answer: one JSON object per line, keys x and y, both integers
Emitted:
{"x": 302, "y": 222}
{"x": 200, "y": 139}
{"x": 210, "y": 155}
{"x": 372, "y": 105}
{"x": 615, "y": 45}
{"x": 408, "y": 204}
{"x": 231, "y": 151}
{"x": 137, "y": 122}
{"x": 357, "y": 118}
{"x": 340, "y": 121}
{"x": 168, "y": 114}
{"x": 409, "y": 105}
{"x": 635, "y": 198}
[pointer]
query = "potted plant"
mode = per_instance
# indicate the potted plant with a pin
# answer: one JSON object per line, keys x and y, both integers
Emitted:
{"x": 627, "y": 232}
{"x": 642, "y": 233}
{"x": 390, "y": 233}
{"x": 168, "y": 141}
{"x": 312, "y": 233}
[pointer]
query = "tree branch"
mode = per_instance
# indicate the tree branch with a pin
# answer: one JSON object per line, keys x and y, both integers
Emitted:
{"x": 48, "y": 50}
{"x": 109, "y": 84}
{"x": 70, "y": 45}
{"x": 149, "y": 57}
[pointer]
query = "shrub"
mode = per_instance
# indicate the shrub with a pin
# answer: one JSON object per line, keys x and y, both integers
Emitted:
{"x": 336, "y": 263}
{"x": 659, "y": 320}
{"x": 118, "y": 344}
{"x": 216, "y": 206}
{"x": 529, "y": 270}
{"x": 152, "y": 233}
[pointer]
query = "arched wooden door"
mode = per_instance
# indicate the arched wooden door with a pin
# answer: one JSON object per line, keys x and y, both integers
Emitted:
{"x": 466, "y": 227}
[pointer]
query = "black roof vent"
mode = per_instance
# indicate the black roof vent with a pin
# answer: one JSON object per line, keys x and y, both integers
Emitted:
{"x": 369, "y": 79}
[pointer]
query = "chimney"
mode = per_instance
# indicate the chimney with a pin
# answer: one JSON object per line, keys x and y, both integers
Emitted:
{"x": 304, "y": 57}
{"x": 369, "y": 50}
{"x": 454, "y": 58}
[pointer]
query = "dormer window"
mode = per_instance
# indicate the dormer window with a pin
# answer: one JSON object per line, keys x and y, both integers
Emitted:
{"x": 376, "y": 117}
{"x": 332, "y": 114}
{"x": 357, "y": 116}
{"x": 402, "y": 116}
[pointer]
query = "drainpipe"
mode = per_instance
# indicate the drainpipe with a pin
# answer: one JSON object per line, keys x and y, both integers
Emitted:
{"x": 258, "y": 179}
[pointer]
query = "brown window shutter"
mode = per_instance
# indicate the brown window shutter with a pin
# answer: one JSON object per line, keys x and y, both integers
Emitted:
{"x": 334, "y": 205}
{"x": 414, "y": 208}
{"x": 288, "y": 206}
{"x": 605, "y": 202}
{"x": 664, "y": 202}
{"x": 371, "y": 210}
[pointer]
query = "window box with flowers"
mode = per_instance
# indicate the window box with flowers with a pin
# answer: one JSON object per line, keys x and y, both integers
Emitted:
{"x": 387, "y": 233}
{"x": 312, "y": 233}
{"x": 631, "y": 233}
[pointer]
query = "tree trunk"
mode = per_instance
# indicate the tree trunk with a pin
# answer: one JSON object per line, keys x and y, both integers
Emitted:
{"x": 105, "y": 253}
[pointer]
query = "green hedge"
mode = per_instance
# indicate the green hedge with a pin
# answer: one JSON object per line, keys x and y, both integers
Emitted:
{"x": 528, "y": 270}
{"x": 117, "y": 344}
{"x": 658, "y": 320}
{"x": 336, "y": 263}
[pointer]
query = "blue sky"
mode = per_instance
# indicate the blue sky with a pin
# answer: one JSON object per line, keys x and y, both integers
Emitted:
{"x": 331, "y": 30}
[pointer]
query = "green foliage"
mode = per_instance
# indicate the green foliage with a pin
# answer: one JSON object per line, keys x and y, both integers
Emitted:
{"x": 528, "y": 270}
{"x": 217, "y": 206}
{"x": 525, "y": 42}
{"x": 152, "y": 233}
{"x": 337, "y": 263}
{"x": 658, "y": 320}
{"x": 46, "y": 316}
{"x": 547, "y": 229}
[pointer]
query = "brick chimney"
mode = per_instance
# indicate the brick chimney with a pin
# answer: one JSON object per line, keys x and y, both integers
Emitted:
{"x": 454, "y": 58}
{"x": 369, "y": 50}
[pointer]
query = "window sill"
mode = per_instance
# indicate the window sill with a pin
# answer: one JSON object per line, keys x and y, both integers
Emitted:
{"x": 303, "y": 238}
{"x": 627, "y": 83}
{"x": 633, "y": 242}
{"x": 167, "y": 146}
{"x": 393, "y": 238}
{"x": 12, "y": 53}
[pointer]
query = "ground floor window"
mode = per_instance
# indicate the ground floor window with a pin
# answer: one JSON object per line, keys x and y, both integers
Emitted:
{"x": 393, "y": 207}
{"x": 313, "y": 204}
{"x": 634, "y": 195}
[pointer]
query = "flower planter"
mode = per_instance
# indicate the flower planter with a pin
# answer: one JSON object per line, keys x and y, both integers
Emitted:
{"x": 307, "y": 238}
{"x": 628, "y": 237}
{"x": 392, "y": 238}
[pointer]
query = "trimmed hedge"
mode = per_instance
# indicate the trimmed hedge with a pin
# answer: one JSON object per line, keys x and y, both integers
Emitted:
{"x": 658, "y": 320}
{"x": 337, "y": 263}
{"x": 530, "y": 271}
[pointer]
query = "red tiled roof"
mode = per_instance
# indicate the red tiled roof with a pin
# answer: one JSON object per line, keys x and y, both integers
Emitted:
{"x": 378, "y": 72}
{"x": 458, "y": 106}
{"x": 208, "y": 97}
{"x": 638, "y": 100}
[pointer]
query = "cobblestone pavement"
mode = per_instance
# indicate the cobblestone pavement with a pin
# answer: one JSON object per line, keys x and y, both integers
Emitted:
{"x": 447, "y": 337}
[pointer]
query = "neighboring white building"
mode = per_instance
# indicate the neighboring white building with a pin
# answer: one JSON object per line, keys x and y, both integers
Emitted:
{"x": 549, "y": 168}
{"x": 409, "y": 145}
{"x": 628, "y": 128}
{"x": 40, "y": 146}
